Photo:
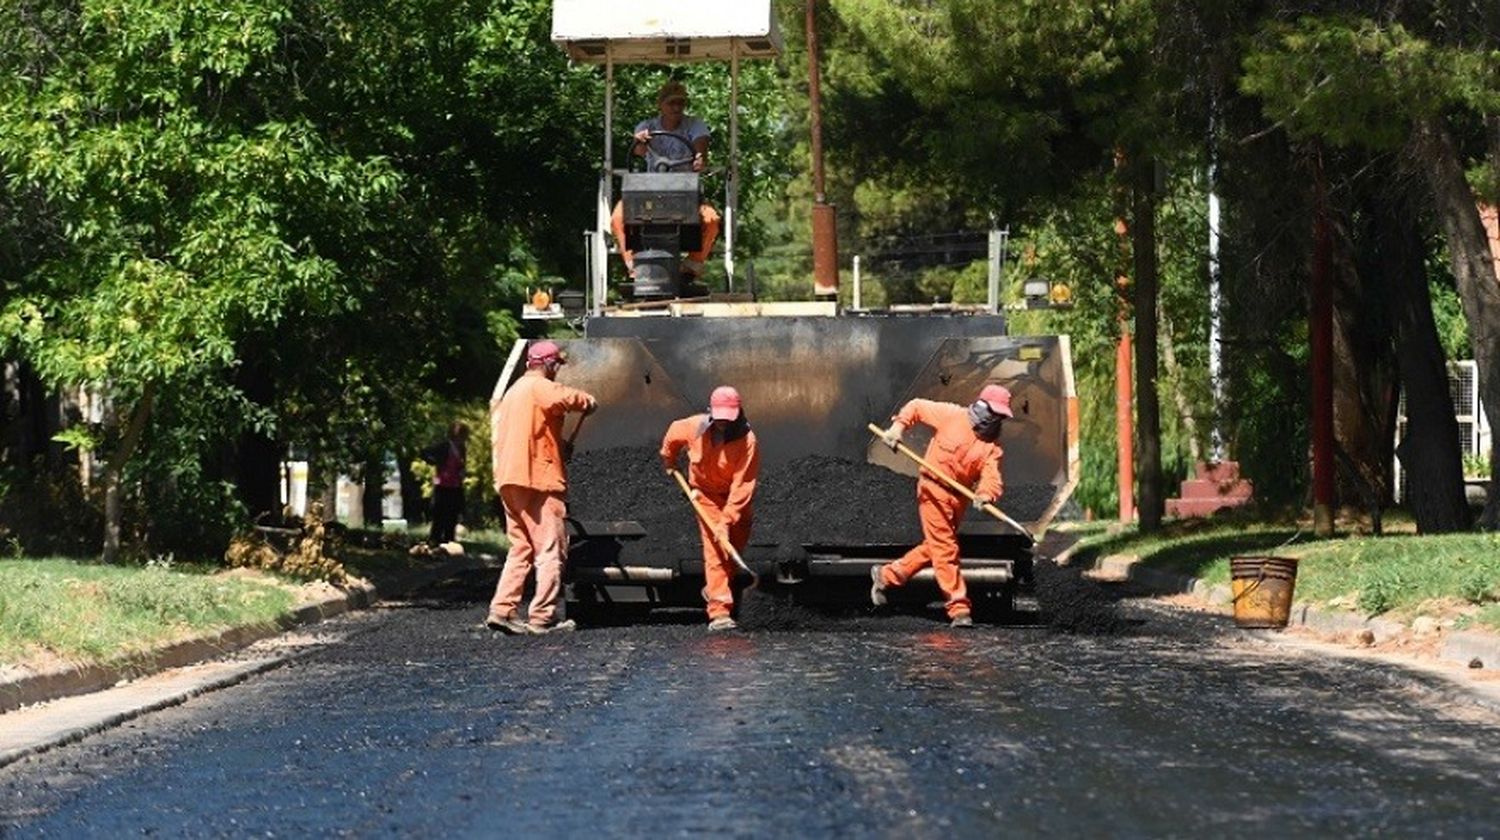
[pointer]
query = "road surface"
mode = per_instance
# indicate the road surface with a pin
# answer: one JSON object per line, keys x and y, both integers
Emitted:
{"x": 1171, "y": 724}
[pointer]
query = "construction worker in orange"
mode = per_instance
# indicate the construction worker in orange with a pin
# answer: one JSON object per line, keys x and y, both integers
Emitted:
{"x": 526, "y": 435}
{"x": 965, "y": 446}
{"x": 723, "y": 464}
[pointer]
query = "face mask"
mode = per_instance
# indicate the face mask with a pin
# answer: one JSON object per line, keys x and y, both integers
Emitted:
{"x": 724, "y": 431}
{"x": 986, "y": 423}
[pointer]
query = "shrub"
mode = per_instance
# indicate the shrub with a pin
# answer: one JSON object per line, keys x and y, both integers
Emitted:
{"x": 1381, "y": 591}
{"x": 306, "y": 556}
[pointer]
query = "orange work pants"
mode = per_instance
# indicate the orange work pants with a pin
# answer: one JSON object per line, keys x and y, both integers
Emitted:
{"x": 711, "y": 225}
{"x": 940, "y": 511}
{"x": 719, "y": 568}
{"x": 539, "y": 541}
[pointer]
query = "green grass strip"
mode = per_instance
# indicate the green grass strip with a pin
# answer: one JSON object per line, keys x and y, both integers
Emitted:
{"x": 1404, "y": 575}
{"x": 90, "y": 613}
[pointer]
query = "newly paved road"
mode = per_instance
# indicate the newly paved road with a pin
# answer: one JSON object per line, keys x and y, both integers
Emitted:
{"x": 857, "y": 726}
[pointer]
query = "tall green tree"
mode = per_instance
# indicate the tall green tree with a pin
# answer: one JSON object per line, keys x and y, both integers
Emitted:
{"x": 1015, "y": 103}
{"x": 256, "y": 225}
{"x": 1377, "y": 83}
{"x": 180, "y": 227}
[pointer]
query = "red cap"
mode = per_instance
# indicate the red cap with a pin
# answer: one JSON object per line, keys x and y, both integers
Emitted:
{"x": 541, "y": 352}
{"x": 997, "y": 397}
{"x": 724, "y": 404}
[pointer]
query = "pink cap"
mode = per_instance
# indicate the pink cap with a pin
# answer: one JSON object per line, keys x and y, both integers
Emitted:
{"x": 541, "y": 352}
{"x": 724, "y": 404}
{"x": 997, "y": 397}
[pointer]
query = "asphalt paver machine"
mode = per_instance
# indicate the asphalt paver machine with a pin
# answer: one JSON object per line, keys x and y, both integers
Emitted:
{"x": 812, "y": 375}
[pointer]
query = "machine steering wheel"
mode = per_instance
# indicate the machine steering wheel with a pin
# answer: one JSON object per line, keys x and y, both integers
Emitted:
{"x": 665, "y": 164}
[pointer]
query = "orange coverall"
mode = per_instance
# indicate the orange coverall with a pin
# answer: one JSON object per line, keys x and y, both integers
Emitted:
{"x": 526, "y": 436}
{"x": 724, "y": 475}
{"x": 957, "y": 451}
{"x": 707, "y": 215}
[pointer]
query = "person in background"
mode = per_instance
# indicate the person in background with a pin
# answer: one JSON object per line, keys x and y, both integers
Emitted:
{"x": 723, "y": 463}
{"x": 449, "y": 457}
{"x": 965, "y": 446}
{"x": 530, "y": 476}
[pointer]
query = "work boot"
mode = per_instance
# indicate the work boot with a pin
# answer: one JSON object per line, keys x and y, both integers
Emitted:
{"x": 962, "y": 621}
{"x": 722, "y": 624}
{"x": 691, "y": 285}
{"x": 509, "y": 625}
{"x": 877, "y": 587}
{"x": 567, "y": 626}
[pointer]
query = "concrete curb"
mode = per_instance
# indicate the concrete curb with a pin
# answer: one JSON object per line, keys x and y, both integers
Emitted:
{"x": 75, "y": 726}
{"x": 69, "y": 682}
{"x": 1460, "y": 647}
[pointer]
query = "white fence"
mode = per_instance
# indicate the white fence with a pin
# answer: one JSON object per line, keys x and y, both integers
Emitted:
{"x": 1473, "y": 427}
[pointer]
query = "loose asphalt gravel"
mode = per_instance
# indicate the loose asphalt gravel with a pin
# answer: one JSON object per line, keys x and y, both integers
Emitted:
{"x": 1168, "y": 724}
{"x": 812, "y": 500}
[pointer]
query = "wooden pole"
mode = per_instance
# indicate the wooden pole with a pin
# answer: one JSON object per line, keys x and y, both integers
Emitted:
{"x": 1124, "y": 387}
{"x": 824, "y": 218}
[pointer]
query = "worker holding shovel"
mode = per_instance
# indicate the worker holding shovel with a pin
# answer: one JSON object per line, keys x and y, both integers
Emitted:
{"x": 723, "y": 463}
{"x": 526, "y": 435}
{"x": 965, "y": 447}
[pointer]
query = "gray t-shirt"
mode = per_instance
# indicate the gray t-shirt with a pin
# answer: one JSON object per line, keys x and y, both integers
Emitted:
{"x": 670, "y": 148}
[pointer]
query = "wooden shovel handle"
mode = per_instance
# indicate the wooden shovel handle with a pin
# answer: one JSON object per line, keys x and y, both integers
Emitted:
{"x": 948, "y": 480}
{"x": 723, "y": 543}
{"x": 578, "y": 428}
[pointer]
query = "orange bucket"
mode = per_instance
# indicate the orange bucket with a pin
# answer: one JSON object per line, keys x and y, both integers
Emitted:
{"x": 1262, "y": 589}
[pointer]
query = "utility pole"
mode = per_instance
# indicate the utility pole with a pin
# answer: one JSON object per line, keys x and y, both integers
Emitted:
{"x": 824, "y": 218}
{"x": 1150, "y": 505}
{"x": 1124, "y": 388}
{"x": 998, "y": 241}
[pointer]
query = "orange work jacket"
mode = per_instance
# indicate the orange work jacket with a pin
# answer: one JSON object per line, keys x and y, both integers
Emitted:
{"x": 526, "y": 432}
{"x": 955, "y": 449}
{"x": 725, "y": 472}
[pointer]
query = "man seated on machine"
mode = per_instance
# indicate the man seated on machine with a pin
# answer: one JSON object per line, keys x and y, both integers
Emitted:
{"x": 660, "y": 140}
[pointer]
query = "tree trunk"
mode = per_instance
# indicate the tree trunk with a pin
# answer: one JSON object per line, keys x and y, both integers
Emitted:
{"x": 411, "y": 491}
{"x": 1147, "y": 404}
{"x": 1365, "y": 372}
{"x": 1473, "y": 269}
{"x": 374, "y": 491}
{"x": 257, "y": 456}
{"x": 1394, "y": 259}
{"x": 33, "y": 430}
{"x": 1491, "y": 518}
{"x": 1492, "y": 133}
{"x": 114, "y": 501}
{"x": 10, "y": 404}
{"x": 1179, "y": 397}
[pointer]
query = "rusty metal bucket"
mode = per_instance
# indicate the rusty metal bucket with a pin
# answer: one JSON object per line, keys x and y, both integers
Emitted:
{"x": 1262, "y": 589}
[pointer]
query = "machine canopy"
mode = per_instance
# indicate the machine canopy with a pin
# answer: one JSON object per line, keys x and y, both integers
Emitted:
{"x": 665, "y": 31}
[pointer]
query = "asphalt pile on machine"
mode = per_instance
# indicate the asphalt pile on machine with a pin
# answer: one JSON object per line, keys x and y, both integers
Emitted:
{"x": 819, "y": 500}
{"x": 611, "y": 485}
{"x": 814, "y": 500}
